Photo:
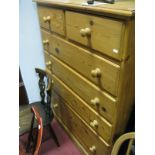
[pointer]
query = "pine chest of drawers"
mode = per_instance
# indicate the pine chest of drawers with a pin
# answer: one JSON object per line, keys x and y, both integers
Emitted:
{"x": 89, "y": 55}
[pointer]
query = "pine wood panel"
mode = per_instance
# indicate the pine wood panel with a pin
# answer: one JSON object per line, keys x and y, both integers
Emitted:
{"x": 85, "y": 62}
{"x": 79, "y": 129}
{"x": 104, "y": 128}
{"x": 85, "y": 89}
{"x": 72, "y": 137}
{"x": 126, "y": 90}
{"x": 106, "y": 34}
{"x": 56, "y": 22}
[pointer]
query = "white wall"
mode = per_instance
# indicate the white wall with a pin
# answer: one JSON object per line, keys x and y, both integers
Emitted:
{"x": 30, "y": 48}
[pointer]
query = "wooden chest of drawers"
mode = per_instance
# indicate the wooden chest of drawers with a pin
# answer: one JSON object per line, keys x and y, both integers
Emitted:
{"x": 89, "y": 54}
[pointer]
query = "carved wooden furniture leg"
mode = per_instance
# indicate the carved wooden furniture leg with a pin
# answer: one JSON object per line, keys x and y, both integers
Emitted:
{"x": 47, "y": 105}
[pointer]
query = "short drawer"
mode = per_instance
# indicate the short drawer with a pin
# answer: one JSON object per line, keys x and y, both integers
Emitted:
{"x": 47, "y": 61}
{"x": 93, "y": 119}
{"x": 102, "y": 72}
{"x": 91, "y": 142}
{"x": 95, "y": 97}
{"x": 101, "y": 34}
{"x": 52, "y": 19}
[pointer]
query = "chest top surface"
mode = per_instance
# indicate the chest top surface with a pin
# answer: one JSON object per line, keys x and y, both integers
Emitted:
{"x": 121, "y": 9}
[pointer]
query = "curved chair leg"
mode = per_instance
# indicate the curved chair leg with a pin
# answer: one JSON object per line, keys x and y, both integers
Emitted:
{"x": 53, "y": 135}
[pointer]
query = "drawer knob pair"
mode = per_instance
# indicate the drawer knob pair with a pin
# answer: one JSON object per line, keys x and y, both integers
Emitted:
{"x": 47, "y": 19}
{"x": 96, "y": 72}
{"x": 86, "y": 32}
{"x": 45, "y": 42}
{"x": 95, "y": 101}
{"x": 92, "y": 149}
{"x": 94, "y": 123}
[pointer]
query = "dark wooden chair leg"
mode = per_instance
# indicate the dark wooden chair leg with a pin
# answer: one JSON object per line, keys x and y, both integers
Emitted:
{"x": 35, "y": 140}
{"x": 53, "y": 135}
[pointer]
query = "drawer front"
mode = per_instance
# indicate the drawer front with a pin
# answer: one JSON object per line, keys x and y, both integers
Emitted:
{"x": 87, "y": 64}
{"x": 46, "y": 40}
{"x": 85, "y": 89}
{"x": 93, "y": 119}
{"x": 79, "y": 129}
{"x": 101, "y": 34}
{"x": 52, "y": 19}
{"x": 47, "y": 61}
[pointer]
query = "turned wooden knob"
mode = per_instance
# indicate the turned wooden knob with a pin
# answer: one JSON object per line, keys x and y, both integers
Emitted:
{"x": 95, "y": 101}
{"x": 47, "y": 19}
{"x": 96, "y": 72}
{"x": 52, "y": 82}
{"x": 45, "y": 41}
{"x": 48, "y": 63}
{"x": 94, "y": 123}
{"x": 55, "y": 105}
{"x": 85, "y": 32}
{"x": 92, "y": 149}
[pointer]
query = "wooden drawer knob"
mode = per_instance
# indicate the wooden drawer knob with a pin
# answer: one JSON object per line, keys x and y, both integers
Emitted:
{"x": 92, "y": 149}
{"x": 52, "y": 82}
{"x": 48, "y": 63}
{"x": 47, "y": 19}
{"x": 94, "y": 123}
{"x": 55, "y": 106}
{"x": 45, "y": 41}
{"x": 85, "y": 32}
{"x": 96, "y": 72}
{"x": 95, "y": 101}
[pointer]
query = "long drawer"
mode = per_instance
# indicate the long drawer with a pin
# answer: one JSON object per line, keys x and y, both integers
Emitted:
{"x": 94, "y": 120}
{"x": 102, "y": 72}
{"x": 89, "y": 140}
{"x": 96, "y": 98}
{"x": 52, "y": 19}
{"x": 102, "y": 34}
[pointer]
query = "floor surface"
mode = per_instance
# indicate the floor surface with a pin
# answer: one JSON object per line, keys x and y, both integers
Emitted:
{"x": 67, "y": 147}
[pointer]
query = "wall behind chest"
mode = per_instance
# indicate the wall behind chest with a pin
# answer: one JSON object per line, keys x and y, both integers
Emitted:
{"x": 30, "y": 48}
